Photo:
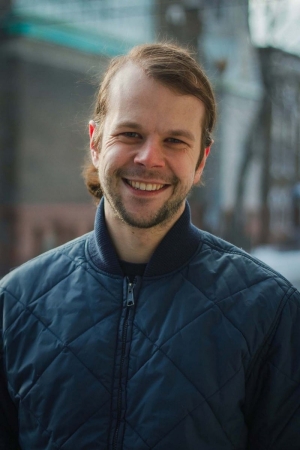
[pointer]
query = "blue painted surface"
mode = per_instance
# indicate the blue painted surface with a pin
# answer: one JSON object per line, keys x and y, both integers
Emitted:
{"x": 67, "y": 36}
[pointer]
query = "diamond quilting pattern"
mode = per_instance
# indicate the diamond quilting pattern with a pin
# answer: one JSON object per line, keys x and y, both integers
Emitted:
{"x": 56, "y": 388}
{"x": 26, "y": 362}
{"x": 211, "y": 338}
{"x": 157, "y": 402}
{"x": 178, "y": 301}
{"x": 79, "y": 302}
{"x": 95, "y": 348}
{"x": 170, "y": 349}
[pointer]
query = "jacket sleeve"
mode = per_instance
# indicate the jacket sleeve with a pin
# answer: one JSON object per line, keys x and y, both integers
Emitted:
{"x": 8, "y": 417}
{"x": 274, "y": 384}
{"x": 8, "y": 410}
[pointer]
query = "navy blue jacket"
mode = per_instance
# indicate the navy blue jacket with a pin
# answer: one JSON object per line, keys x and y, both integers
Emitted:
{"x": 202, "y": 352}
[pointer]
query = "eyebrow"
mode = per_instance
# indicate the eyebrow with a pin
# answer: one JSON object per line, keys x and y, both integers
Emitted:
{"x": 128, "y": 124}
{"x": 176, "y": 133}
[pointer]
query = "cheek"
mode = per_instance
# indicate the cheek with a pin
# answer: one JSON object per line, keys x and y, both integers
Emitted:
{"x": 110, "y": 161}
{"x": 192, "y": 177}
{"x": 116, "y": 156}
{"x": 186, "y": 172}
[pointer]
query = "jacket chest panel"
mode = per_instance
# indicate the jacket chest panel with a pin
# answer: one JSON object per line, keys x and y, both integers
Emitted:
{"x": 178, "y": 366}
{"x": 67, "y": 340}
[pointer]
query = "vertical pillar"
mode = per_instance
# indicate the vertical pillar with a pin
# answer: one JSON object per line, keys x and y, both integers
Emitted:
{"x": 7, "y": 143}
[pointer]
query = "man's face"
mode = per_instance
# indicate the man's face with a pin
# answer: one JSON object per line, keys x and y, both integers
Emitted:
{"x": 149, "y": 151}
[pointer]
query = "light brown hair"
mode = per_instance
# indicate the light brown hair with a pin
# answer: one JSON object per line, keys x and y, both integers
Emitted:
{"x": 170, "y": 65}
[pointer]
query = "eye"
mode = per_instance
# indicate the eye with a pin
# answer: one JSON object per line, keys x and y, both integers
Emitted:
{"x": 130, "y": 134}
{"x": 175, "y": 141}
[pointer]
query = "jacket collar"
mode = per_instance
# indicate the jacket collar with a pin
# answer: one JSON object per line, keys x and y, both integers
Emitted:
{"x": 176, "y": 248}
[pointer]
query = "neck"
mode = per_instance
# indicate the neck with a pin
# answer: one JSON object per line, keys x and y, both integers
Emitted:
{"x": 135, "y": 245}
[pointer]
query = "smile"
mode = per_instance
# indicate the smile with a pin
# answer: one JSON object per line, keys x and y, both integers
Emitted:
{"x": 145, "y": 186}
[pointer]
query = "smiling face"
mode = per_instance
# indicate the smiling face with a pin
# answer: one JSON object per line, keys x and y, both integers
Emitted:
{"x": 149, "y": 152}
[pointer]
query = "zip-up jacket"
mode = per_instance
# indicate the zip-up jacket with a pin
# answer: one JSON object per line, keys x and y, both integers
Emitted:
{"x": 201, "y": 353}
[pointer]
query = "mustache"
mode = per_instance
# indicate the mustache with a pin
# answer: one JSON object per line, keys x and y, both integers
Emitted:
{"x": 145, "y": 175}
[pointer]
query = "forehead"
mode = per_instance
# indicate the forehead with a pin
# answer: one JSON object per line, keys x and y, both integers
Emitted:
{"x": 133, "y": 93}
{"x": 125, "y": 75}
{"x": 131, "y": 83}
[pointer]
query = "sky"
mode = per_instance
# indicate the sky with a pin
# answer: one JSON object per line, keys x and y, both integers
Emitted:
{"x": 276, "y": 23}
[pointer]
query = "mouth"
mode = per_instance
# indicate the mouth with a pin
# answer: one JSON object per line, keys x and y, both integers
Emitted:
{"x": 142, "y": 186}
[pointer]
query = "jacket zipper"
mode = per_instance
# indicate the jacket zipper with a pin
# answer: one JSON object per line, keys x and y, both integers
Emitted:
{"x": 129, "y": 303}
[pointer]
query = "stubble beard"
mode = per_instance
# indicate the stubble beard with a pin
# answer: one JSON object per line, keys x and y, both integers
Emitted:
{"x": 164, "y": 215}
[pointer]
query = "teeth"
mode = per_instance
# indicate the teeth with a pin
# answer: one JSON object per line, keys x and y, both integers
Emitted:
{"x": 145, "y": 186}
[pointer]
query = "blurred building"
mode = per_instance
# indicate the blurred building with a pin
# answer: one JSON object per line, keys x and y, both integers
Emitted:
{"x": 277, "y": 147}
{"x": 46, "y": 108}
{"x": 233, "y": 65}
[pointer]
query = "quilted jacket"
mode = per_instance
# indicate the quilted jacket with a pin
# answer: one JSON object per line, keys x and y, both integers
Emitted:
{"x": 202, "y": 352}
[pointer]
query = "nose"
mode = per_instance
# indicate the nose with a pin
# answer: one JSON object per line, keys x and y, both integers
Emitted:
{"x": 150, "y": 154}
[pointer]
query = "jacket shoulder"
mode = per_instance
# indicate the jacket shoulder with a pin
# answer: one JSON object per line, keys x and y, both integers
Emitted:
{"x": 250, "y": 295}
{"x": 231, "y": 269}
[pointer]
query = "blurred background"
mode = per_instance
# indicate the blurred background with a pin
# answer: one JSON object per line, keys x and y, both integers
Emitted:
{"x": 52, "y": 55}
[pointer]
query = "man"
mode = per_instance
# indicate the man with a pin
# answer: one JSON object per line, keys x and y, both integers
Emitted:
{"x": 149, "y": 333}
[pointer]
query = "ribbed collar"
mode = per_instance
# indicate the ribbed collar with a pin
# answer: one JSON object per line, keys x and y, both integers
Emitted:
{"x": 176, "y": 248}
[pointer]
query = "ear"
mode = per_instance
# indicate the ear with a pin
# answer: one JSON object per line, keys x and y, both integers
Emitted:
{"x": 93, "y": 148}
{"x": 207, "y": 150}
{"x": 201, "y": 166}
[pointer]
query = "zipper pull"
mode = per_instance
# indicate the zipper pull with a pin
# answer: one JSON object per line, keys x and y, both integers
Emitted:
{"x": 130, "y": 296}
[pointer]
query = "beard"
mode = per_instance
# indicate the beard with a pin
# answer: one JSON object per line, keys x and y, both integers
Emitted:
{"x": 162, "y": 216}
